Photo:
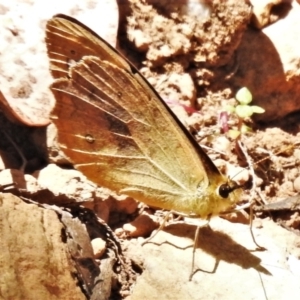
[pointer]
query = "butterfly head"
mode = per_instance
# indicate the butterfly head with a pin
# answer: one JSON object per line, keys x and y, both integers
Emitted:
{"x": 221, "y": 196}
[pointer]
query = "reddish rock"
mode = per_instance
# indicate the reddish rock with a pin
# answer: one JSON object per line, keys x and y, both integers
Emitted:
{"x": 268, "y": 65}
{"x": 143, "y": 225}
{"x": 34, "y": 259}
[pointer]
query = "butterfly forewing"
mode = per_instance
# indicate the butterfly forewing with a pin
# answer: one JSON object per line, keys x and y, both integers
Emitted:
{"x": 117, "y": 130}
{"x": 68, "y": 41}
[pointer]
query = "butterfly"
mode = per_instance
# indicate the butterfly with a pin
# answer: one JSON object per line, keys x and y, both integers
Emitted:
{"x": 116, "y": 129}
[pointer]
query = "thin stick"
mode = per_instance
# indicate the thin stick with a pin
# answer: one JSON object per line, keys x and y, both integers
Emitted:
{"x": 253, "y": 190}
{"x": 24, "y": 160}
{"x": 249, "y": 162}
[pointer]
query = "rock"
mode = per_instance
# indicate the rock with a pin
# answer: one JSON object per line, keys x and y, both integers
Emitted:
{"x": 25, "y": 75}
{"x": 123, "y": 204}
{"x": 263, "y": 12}
{"x": 229, "y": 265}
{"x": 35, "y": 262}
{"x": 268, "y": 65}
{"x": 70, "y": 183}
{"x": 99, "y": 247}
{"x": 19, "y": 180}
{"x": 102, "y": 210}
{"x": 297, "y": 184}
{"x": 143, "y": 225}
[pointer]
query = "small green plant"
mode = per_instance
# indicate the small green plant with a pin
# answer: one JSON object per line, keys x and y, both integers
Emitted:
{"x": 242, "y": 111}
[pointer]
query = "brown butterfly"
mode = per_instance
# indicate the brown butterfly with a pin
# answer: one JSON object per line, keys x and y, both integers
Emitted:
{"x": 117, "y": 130}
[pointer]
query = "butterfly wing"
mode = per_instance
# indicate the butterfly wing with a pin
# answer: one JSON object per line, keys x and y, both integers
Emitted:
{"x": 68, "y": 41}
{"x": 116, "y": 129}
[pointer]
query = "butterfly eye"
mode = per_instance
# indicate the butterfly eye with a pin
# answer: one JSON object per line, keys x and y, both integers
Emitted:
{"x": 225, "y": 189}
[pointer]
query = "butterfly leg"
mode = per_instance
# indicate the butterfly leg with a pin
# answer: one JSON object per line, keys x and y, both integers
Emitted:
{"x": 240, "y": 208}
{"x": 195, "y": 245}
{"x": 251, "y": 231}
{"x": 162, "y": 225}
